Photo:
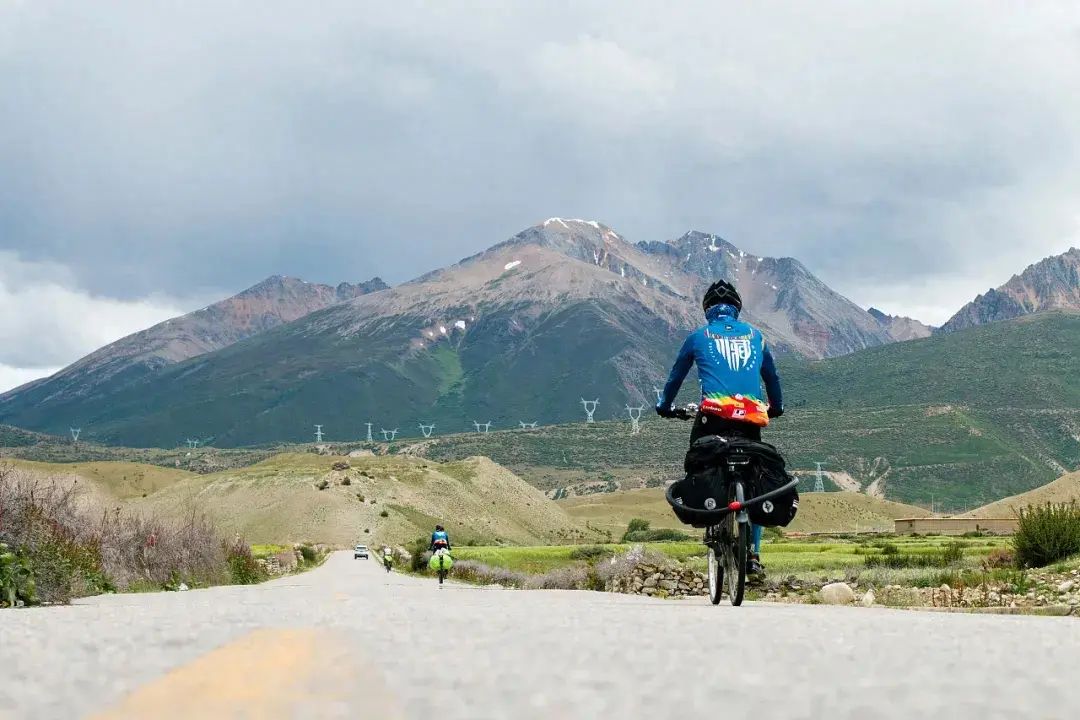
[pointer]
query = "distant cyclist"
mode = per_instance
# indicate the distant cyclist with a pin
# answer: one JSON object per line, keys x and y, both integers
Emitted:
{"x": 387, "y": 558}
{"x": 732, "y": 361}
{"x": 439, "y": 540}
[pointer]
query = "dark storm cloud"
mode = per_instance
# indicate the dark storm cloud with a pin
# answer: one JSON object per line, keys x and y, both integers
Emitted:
{"x": 192, "y": 148}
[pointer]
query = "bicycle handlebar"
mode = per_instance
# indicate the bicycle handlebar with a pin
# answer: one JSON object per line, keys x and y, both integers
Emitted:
{"x": 687, "y": 412}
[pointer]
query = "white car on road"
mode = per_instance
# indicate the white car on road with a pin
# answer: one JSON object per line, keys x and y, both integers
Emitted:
{"x": 360, "y": 551}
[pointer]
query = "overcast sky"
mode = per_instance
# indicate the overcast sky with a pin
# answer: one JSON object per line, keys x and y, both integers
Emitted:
{"x": 157, "y": 155}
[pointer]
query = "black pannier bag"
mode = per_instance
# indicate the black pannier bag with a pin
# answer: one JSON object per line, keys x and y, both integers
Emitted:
{"x": 705, "y": 485}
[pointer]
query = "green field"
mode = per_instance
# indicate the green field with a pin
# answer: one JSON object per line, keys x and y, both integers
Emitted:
{"x": 836, "y": 557}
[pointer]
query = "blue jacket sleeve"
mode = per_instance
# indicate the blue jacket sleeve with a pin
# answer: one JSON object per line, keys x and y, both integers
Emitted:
{"x": 772, "y": 379}
{"x": 678, "y": 373}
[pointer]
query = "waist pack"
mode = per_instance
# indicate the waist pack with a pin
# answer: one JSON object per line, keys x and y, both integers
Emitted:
{"x": 706, "y": 486}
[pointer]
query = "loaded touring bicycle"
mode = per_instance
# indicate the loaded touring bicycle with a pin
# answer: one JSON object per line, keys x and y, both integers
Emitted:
{"x": 730, "y": 483}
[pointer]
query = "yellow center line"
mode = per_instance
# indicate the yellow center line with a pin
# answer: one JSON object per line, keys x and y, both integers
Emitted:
{"x": 269, "y": 674}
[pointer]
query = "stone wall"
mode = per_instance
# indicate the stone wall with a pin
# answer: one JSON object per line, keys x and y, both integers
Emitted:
{"x": 660, "y": 581}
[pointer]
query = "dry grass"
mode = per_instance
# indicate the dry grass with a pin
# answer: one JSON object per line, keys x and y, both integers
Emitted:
{"x": 111, "y": 480}
{"x": 276, "y": 501}
{"x": 75, "y": 550}
{"x": 1065, "y": 489}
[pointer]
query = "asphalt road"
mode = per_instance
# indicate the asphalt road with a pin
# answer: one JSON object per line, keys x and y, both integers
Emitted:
{"x": 350, "y": 641}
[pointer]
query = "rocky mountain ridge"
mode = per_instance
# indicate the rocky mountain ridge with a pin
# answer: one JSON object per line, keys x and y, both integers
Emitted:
{"x": 1050, "y": 284}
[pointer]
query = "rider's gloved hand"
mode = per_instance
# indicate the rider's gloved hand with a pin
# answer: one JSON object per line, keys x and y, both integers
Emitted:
{"x": 775, "y": 412}
{"x": 665, "y": 411}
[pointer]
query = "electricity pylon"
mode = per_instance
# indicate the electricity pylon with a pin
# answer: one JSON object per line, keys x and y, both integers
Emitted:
{"x": 590, "y": 408}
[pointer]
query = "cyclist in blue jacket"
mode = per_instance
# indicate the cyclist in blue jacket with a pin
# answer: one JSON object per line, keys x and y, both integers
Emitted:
{"x": 439, "y": 539}
{"x": 733, "y": 362}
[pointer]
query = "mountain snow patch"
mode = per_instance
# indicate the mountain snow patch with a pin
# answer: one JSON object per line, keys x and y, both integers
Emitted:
{"x": 442, "y": 329}
{"x": 573, "y": 220}
{"x": 511, "y": 265}
{"x": 460, "y": 324}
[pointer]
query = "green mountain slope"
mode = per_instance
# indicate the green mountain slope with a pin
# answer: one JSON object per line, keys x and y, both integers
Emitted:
{"x": 956, "y": 421}
{"x": 1030, "y": 362}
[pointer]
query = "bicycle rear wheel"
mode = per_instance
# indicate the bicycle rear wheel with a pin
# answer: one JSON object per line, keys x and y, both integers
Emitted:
{"x": 736, "y": 559}
{"x": 736, "y": 541}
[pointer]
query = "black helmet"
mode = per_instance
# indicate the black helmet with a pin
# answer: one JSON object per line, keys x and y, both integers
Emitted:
{"x": 439, "y": 528}
{"x": 721, "y": 292}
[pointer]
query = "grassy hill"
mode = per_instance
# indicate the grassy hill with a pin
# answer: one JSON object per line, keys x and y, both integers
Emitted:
{"x": 13, "y": 437}
{"x": 955, "y": 457}
{"x": 957, "y": 420}
{"x": 818, "y": 512}
{"x": 200, "y": 460}
{"x": 1063, "y": 490}
{"x": 113, "y": 480}
{"x": 1031, "y": 362}
{"x": 386, "y": 499}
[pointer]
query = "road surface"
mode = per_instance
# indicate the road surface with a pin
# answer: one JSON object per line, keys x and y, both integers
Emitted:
{"x": 349, "y": 641}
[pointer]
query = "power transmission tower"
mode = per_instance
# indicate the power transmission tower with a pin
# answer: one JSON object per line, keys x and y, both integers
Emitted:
{"x": 427, "y": 429}
{"x": 659, "y": 393}
{"x": 75, "y": 435}
{"x": 590, "y": 408}
{"x": 527, "y": 425}
{"x": 635, "y": 418}
{"x": 318, "y": 433}
{"x": 369, "y": 432}
{"x": 486, "y": 426}
{"x": 192, "y": 444}
{"x": 819, "y": 480}
{"x": 389, "y": 435}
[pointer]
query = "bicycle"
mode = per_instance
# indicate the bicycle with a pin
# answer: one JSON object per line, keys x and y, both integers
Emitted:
{"x": 727, "y": 527}
{"x": 441, "y": 562}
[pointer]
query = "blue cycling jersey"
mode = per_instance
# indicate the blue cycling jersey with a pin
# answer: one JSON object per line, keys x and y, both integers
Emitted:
{"x": 732, "y": 361}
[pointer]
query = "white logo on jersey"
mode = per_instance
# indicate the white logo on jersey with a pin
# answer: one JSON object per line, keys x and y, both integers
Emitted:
{"x": 736, "y": 350}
